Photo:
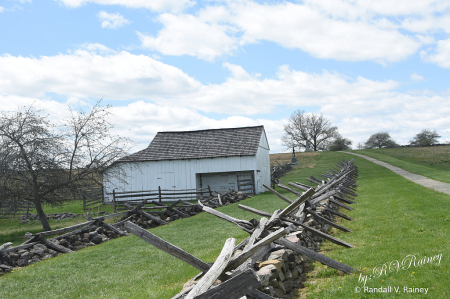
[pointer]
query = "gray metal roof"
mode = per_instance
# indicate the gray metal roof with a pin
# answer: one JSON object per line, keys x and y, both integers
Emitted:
{"x": 200, "y": 144}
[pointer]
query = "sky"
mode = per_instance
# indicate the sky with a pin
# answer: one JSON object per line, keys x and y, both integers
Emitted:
{"x": 176, "y": 65}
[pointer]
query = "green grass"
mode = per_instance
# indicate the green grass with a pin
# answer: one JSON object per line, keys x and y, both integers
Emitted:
{"x": 13, "y": 231}
{"x": 431, "y": 162}
{"x": 394, "y": 218}
{"x": 130, "y": 268}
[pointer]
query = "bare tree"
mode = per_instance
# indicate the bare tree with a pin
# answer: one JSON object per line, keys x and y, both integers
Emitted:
{"x": 425, "y": 138}
{"x": 360, "y": 146}
{"x": 314, "y": 129}
{"x": 380, "y": 140}
{"x": 41, "y": 163}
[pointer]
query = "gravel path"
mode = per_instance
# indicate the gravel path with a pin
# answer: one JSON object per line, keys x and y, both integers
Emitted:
{"x": 419, "y": 179}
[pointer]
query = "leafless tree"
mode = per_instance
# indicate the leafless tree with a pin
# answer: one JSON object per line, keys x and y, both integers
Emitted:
{"x": 314, "y": 129}
{"x": 41, "y": 163}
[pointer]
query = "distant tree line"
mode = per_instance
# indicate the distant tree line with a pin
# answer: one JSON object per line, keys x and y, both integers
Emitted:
{"x": 426, "y": 137}
{"x": 314, "y": 132}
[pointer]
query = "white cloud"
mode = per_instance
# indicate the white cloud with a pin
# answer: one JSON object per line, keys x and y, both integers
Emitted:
{"x": 441, "y": 56}
{"x": 216, "y": 31}
{"x": 300, "y": 26}
{"x": 112, "y": 21}
{"x": 97, "y": 48}
{"x": 415, "y": 77}
{"x": 85, "y": 74}
{"x": 187, "y": 35}
{"x": 2, "y": 9}
{"x": 169, "y": 99}
{"x": 381, "y": 7}
{"x": 156, "y": 5}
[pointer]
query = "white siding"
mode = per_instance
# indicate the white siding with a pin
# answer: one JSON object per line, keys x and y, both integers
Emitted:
{"x": 171, "y": 174}
{"x": 262, "y": 172}
{"x": 181, "y": 174}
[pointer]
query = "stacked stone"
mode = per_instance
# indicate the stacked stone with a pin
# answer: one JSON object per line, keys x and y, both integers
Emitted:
{"x": 282, "y": 272}
{"x": 226, "y": 199}
{"x": 53, "y": 216}
{"x": 24, "y": 257}
{"x": 89, "y": 238}
{"x": 146, "y": 223}
{"x": 39, "y": 252}
{"x": 167, "y": 216}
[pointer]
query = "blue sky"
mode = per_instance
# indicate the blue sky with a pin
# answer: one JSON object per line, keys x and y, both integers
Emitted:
{"x": 368, "y": 66}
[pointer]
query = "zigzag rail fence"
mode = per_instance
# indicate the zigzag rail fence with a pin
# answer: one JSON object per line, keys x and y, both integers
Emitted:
{"x": 278, "y": 172}
{"x": 295, "y": 230}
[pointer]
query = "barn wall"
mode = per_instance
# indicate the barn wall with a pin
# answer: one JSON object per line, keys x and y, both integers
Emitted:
{"x": 171, "y": 174}
{"x": 262, "y": 172}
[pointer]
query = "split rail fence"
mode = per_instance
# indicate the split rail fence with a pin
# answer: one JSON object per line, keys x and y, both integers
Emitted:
{"x": 15, "y": 209}
{"x": 233, "y": 274}
{"x": 278, "y": 172}
{"x": 160, "y": 195}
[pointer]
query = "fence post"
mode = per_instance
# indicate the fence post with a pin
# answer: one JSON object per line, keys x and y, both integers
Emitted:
{"x": 84, "y": 201}
{"x": 159, "y": 191}
{"x": 103, "y": 195}
{"x": 114, "y": 200}
{"x": 210, "y": 193}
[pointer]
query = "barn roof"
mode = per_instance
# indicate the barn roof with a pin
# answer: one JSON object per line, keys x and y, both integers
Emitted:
{"x": 200, "y": 144}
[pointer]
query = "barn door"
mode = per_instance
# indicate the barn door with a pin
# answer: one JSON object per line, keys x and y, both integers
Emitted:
{"x": 219, "y": 182}
{"x": 246, "y": 182}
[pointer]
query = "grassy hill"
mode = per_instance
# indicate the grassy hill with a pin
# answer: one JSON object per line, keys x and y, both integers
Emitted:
{"x": 432, "y": 162}
{"x": 394, "y": 218}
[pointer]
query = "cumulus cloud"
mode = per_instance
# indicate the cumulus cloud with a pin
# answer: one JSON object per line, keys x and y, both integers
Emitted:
{"x": 2, "y": 9}
{"x": 165, "y": 98}
{"x": 441, "y": 55}
{"x": 348, "y": 34}
{"x": 303, "y": 27}
{"x": 188, "y": 35}
{"x": 112, "y": 21}
{"x": 156, "y": 5}
{"x": 85, "y": 73}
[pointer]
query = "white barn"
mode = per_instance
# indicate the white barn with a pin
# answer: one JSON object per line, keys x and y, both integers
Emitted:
{"x": 235, "y": 158}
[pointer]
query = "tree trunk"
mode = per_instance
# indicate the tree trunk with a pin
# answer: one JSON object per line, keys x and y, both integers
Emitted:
{"x": 41, "y": 214}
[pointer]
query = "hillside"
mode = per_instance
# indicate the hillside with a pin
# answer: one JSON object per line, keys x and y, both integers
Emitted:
{"x": 432, "y": 162}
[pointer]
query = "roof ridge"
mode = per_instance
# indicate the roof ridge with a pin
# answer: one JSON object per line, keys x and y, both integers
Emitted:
{"x": 205, "y": 130}
{"x": 210, "y": 143}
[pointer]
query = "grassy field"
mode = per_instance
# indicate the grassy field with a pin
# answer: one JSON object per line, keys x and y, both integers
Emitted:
{"x": 304, "y": 160}
{"x": 13, "y": 231}
{"x": 394, "y": 218}
{"x": 432, "y": 162}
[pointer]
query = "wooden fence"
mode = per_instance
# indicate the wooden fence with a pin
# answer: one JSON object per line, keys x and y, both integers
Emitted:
{"x": 160, "y": 195}
{"x": 236, "y": 274}
{"x": 92, "y": 198}
{"x": 278, "y": 172}
{"x": 13, "y": 209}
